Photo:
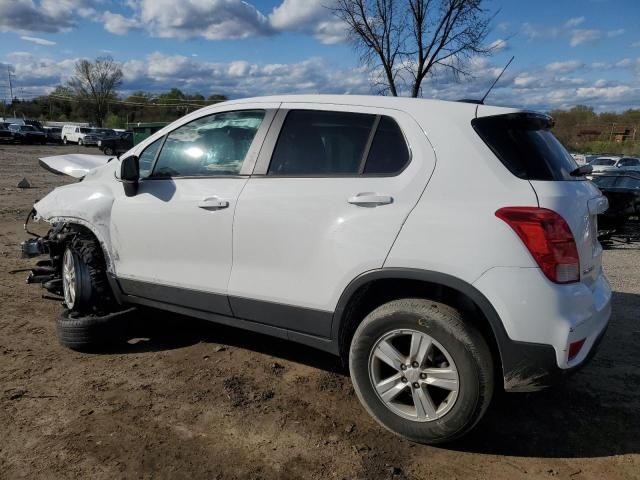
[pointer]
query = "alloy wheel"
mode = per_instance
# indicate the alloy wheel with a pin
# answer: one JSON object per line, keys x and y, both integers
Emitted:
{"x": 414, "y": 375}
{"x": 69, "y": 279}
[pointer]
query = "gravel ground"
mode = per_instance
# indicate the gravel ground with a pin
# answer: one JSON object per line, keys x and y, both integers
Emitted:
{"x": 189, "y": 399}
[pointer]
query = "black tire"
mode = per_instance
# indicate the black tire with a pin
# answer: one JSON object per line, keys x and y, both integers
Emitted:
{"x": 92, "y": 293}
{"x": 108, "y": 151}
{"x": 80, "y": 142}
{"x": 88, "y": 332}
{"x": 64, "y": 140}
{"x": 464, "y": 344}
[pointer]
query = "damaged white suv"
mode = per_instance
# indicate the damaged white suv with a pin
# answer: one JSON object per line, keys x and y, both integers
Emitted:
{"x": 442, "y": 249}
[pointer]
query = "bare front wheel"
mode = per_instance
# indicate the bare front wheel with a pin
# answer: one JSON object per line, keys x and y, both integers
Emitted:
{"x": 421, "y": 370}
{"x": 69, "y": 279}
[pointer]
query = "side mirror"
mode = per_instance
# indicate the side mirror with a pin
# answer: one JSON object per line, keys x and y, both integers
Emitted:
{"x": 130, "y": 174}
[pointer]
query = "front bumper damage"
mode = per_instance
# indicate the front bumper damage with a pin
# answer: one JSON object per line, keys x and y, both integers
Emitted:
{"x": 47, "y": 271}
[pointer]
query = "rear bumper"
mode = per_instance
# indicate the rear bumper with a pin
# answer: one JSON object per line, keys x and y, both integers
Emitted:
{"x": 541, "y": 320}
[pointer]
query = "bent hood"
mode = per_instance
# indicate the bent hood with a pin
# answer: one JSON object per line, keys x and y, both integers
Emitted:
{"x": 73, "y": 164}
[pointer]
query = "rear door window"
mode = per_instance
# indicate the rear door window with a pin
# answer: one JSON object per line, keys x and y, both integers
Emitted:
{"x": 326, "y": 143}
{"x": 525, "y": 145}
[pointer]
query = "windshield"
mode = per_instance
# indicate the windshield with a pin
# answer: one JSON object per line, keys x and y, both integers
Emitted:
{"x": 604, "y": 162}
{"x": 27, "y": 128}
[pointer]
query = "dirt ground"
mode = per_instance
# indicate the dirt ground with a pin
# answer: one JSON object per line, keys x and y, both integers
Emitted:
{"x": 189, "y": 399}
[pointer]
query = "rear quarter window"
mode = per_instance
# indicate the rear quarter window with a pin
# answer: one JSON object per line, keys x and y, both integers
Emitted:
{"x": 525, "y": 145}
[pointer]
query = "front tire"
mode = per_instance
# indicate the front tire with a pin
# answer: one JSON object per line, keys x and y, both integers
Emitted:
{"x": 84, "y": 279}
{"x": 421, "y": 371}
{"x": 109, "y": 151}
{"x": 80, "y": 142}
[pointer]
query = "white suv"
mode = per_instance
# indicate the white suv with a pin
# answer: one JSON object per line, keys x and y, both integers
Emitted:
{"x": 442, "y": 249}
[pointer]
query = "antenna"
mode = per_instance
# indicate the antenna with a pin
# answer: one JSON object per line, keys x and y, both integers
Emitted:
{"x": 496, "y": 80}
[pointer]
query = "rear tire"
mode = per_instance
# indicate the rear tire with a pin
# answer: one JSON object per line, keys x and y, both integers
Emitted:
{"x": 436, "y": 399}
{"x": 64, "y": 140}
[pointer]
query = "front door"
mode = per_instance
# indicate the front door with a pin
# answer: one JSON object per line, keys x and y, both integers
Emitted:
{"x": 173, "y": 240}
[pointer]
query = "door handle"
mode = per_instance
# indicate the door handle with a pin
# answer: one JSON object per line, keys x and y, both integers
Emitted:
{"x": 213, "y": 203}
{"x": 369, "y": 199}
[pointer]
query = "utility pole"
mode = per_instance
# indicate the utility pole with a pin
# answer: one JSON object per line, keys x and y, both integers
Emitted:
{"x": 10, "y": 85}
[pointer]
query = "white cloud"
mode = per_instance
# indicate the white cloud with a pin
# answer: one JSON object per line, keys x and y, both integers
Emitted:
{"x": 498, "y": 45}
{"x": 579, "y": 37}
{"x": 636, "y": 44}
{"x": 213, "y": 19}
{"x": 313, "y": 16}
{"x": 23, "y": 16}
{"x": 615, "y": 33}
{"x": 564, "y": 67}
{"x": 118, "y": 24}
{"x": 574, "y": 22}
{"x": 37, "y": 40}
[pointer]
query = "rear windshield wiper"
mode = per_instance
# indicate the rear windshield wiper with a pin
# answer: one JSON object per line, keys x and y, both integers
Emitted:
{"x": 582, "y": 171}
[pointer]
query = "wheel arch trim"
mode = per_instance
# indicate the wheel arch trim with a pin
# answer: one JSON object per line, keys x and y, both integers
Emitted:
{"x": 524, "y": 365}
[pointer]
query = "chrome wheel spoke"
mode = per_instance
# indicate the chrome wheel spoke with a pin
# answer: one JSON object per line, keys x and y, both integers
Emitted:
{"x": 389, "y": 355}
{"x": 391, "y": 387}
{"x": 425, "y": 409}
{"x": 420, "y": 345}
{"x": 442, "y": 377}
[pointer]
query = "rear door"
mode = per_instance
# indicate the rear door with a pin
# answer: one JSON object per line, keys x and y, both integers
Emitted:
{"x": 331, "y": 189}
{"x": 523, "y": 142}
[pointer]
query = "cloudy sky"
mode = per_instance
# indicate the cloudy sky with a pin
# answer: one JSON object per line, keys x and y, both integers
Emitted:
{"x": 567, "y": 51}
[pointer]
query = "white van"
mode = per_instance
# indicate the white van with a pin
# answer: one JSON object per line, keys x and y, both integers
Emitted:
{"x": 74, "y": 134}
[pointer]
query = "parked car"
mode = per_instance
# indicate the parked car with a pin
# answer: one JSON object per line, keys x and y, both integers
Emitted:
{"x": 92, "y": 138}
{"x": 602, "y": 164}
{"x": 622, "y": 189}
{"x": 326, "y": 220}
{"x": 116, "y": 144}
{"x": 74, "y": 134}
{"x": 27, "y": 134}
{"x": 53, "y": 134}
{"x": 629, "y": 163}
{"x": 6, "y": 135}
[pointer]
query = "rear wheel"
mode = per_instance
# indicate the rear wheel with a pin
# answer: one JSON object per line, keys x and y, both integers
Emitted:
{"x": 421, "y": 371}
{"x": 64, "y": 140}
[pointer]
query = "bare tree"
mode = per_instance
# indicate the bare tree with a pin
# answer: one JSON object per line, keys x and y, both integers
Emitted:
{"x": 405, "y": 40}
{"x": 95, "y": 83}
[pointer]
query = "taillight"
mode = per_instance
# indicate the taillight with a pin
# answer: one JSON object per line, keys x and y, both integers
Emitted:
{"x": 549, "y": 240}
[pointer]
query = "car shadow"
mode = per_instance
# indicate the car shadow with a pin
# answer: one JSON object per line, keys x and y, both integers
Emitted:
{"x": 594, "y": 413}
{"x": 151, "y": 330}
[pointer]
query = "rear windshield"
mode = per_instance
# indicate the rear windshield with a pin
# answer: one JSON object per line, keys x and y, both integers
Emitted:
{"x": 525, "y": 145}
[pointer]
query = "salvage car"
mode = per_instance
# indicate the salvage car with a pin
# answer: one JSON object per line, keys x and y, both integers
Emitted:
{"x": 622, "y": 189}
{"x": 95, "y": 135}
{"x": 53, "y": 134}
{"x": 6, "y": 135}
{"x": 351, "y": 224}
{"x": 116, "y": 144}
{"x": 27, "y": 134}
